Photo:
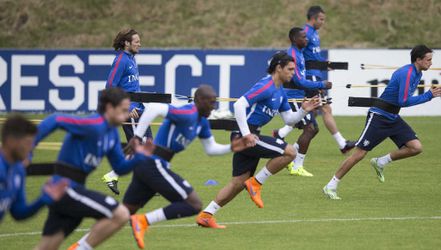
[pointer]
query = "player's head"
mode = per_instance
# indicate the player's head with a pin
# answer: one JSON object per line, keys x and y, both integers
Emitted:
{"x": 127, "y": 39}
{"x": 205, "y": 100}
{"x": 316, "y": 16}
{"x": 18, "y": 137}
{"x": 297, "y": 36}
{"x": 114, "y": 105}
{"x": 282, "y": 65}
{"x": 421, "y": 56}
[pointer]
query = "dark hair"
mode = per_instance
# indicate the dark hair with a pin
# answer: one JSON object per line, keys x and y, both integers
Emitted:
{"x": 293, "y": 33}
{"x": 17, "y": 126}
{"x": 419, "y": 51}
{"x": 204, "y": 90}
{"x": 123, "y": 36}
{"x": 114, "y": 96}
{"x": 313, "y": 11}
{"x": 280, "y": 58}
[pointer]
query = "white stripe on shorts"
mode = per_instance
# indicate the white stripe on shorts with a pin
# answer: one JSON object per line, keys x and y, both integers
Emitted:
{"x": 89, "y": 202}
{"x": 365, "y": 129}
{"x": 170, "y": 180}
{"x": 271, "y": 147}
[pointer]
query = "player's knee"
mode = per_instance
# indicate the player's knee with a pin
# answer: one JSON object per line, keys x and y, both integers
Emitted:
{"x": 290, "y": 152}
{"x": 417, "y": 148}
{"x": 121, "y": 215}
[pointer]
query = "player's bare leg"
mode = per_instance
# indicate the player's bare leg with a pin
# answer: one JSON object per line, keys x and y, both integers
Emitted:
{"x": 309, "y": 132}
{"x": 330, "y": 123}
{"x": 52, "y": 242}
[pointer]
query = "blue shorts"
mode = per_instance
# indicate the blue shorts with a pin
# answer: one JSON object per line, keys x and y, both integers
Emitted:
{"x": 154, "y": 176}
{"x": 378, "y": 128}
{"x": 308, "y": 119}
{"x": 77, "y": 203}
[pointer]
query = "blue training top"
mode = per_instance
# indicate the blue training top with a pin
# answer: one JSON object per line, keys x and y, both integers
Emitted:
{"x": 180, "y": 127}
{"x": 400, "y": 89}
{"x": 312, "y": 50}
{"x": 266, "y": 101}
{"x": 299, "y": 79}
{"x": 87, "y": 141}
{"x": 12, "y": 192}
{"x": 124, "y": 74}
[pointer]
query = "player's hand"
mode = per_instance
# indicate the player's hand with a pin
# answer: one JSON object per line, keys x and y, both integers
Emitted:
{"x": 436, "y": 92}
{"x": 146, "y": 149}
{"x": 56, "y": 190}
{"x": 134, "y": 114}
{"x": 238, "y": 144}
{"x": 133, "y": 143}
{"x": 311, "y": 104}
{"x": 328, "y": 85}
{"x": 249, "y": 140}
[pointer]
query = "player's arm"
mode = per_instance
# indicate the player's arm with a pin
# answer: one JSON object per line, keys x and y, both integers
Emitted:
{"x": 154, "y": 110}
{"x": 116, "y": 72}
{"x": 210, "y": 145}
{"x": 404, "y": 97}
{"x": 304, "y": 83}
{"x": 290, "y": 117}
{"x": 72, "y": 124}
{"x": 51, "y": 192}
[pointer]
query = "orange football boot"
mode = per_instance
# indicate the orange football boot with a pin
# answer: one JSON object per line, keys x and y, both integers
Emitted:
{"x": 139, "y": 227}
{"x": 74, "y": 246}
{"x": 207, "y": 220}
{"x": 254, "y": 188}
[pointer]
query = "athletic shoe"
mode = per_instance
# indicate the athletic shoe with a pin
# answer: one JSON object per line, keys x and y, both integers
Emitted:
{"x": 276, "y": 135}
{"x": 348, "y": 147}
{"x": 290, "y": 166}
{"x": 205, "y": 219}
{"x": 74, "y": 246}
{"x": 301, "y": 171}
{"x": 378, "y": 169}
{"x": 330, "y": 193}
{"x": 254, "y": 188}
{"x": 111, "y": 182}
{"x": 139, "y": 227}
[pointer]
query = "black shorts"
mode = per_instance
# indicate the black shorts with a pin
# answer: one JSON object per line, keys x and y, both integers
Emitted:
{"x": 78, "y": 203}
{"x": 378, "y": 128}
{"x": 308, "y": 119}
{"x": 248, "y": 159}
{"x": 311, "y": 93}
{"x": 154, "y": 176}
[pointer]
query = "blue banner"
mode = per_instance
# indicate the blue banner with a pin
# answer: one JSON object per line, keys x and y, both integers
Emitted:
{"x": 69, "y": 80}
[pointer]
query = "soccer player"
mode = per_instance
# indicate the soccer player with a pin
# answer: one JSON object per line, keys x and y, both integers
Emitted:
{"x": 180, "y": 127}
{"x": 316, "y": 18}
{"x": 17, "y": 142}
{"x": 87, "y": 141}
{"x": 252, "y": 111}
{"x": 381, "y": 124}
{"x": 308, "y": 124}
{"x": 124, "y": 74}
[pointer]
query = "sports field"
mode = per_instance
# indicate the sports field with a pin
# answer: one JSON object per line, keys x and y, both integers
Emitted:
{"x": 402, "y": 213}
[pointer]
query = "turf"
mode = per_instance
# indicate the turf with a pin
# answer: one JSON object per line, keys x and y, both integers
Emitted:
{"x": 402, "y": 213}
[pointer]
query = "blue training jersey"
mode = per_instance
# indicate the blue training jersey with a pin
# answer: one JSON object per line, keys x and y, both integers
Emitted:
{"x": 312, "y": 50}
{"x": 400, "y": 90}
{"x": 299, "y": 78}
{"x": 265, "y": 100}
{"x": 87, "y": 141}
{"x": 12, "y": 192}
{"x": 124, "y": 74}
{"x": 180, "y": 127}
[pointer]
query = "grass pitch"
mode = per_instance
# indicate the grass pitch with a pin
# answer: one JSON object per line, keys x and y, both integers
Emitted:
{"x": 402, "y": 213}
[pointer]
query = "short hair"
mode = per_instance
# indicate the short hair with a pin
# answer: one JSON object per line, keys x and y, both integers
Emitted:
{"x": 294, "y": 33}
{"x": 18, "y": 127}
{"x": 114, "y": 96}
{"x": 419, "y": 51}
{"x": 123, "y": 36}
{"x": 280, "y": 58}
{"x": 203, "y": 90}
{"x": 313, "y": 11}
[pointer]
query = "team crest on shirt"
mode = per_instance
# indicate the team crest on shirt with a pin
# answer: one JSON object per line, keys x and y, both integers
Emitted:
{"x": 366, "y": 143}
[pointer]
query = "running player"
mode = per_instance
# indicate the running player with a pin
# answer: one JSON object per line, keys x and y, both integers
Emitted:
{"x": 17, "y": 142}
{"x": 124, "y": 74}
{"x": 87, "y": 141}
{"x": 308, "y": 124}
{"x": 316, "y": 18}
{"x": 252, "y": 111}
{"x": 381, "y": 124}
{"x": 179, "y": 129}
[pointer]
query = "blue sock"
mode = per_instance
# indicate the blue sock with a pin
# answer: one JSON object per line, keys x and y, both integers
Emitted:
{"x": 179, "y": 210}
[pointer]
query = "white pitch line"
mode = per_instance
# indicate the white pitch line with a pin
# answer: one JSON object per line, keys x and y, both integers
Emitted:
{"x": 262, "y": 222}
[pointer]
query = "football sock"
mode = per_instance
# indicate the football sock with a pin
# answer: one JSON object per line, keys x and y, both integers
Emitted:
{"x": 84, "y": 246}
{"x": 341, "y": 141}
{"x": 178, "y": 210}
{"x": 212, "y": 208}
{"x": 382, "y": 161}
{"x": 296, "y": 146}
{"x": 283, "y": 132}
{"x": 112, "y": 174}
{"x": 263, "y": 174}
{"x": 298, "y": 161}
{"x": 155, "y": 216}
{"x": 333, "y": 183}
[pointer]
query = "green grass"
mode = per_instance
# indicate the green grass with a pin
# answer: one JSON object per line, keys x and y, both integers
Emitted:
{"x": 411, "y": 190}
{"x": 216, "y": 24}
